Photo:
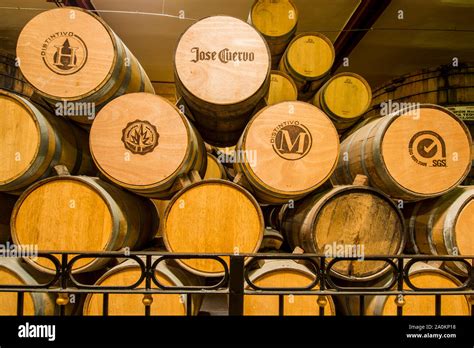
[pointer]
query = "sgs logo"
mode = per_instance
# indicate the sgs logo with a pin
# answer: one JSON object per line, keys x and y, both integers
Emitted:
{"x": 428, "y": 149}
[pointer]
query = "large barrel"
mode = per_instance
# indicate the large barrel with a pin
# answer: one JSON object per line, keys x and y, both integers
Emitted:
{"x": 222, "y": 70}
{"x": 443, "y": 85}
{"x": 344, "y": 98}
{"x": 128, "y": 273}
{"x": 284, "y": 274}
{"x": 308, "y": 60}
{"x": 421, "y": 275}
{"x": 276, "y": 20}
{"x": 143, "y": 143}
{"x": 69, "y": 54}
{"x": 10, "y": 76}
{"x": 287, "y": 150}
{"x": 410, "y": 155}
{"x": 282, "y": 88}
{"x": 14, "y": 271}
{"x": 443, "y": 226}
{"x": 212, "y": 216}
{"x": 32, "y": 142}
{"x": 347, "y": 221}
{"x": 79, "y": 213}
{"x": 6, "y": 207}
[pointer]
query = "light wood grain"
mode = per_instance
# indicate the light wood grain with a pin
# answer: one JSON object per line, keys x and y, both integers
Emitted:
{"x": 282, "y": 88}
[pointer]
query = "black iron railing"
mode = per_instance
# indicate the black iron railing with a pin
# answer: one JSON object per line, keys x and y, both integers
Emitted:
{"x": 236, "y": 282}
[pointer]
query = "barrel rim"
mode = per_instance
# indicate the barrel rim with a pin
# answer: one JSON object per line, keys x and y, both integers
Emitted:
{"x": 254, "y": 177}
{"x": 212, "y": 182}
{"x": 81, "y": 179}
{"x": 383, "y": 167}
{"x": 172, "y": 176}
{"x": 179, "y": 83}
{"x": 284, "y": 36}
{"x": 107, "y": 76}
{"x": 323, "y": 37}
{"x": 28, "y": 107}
{"x": 341, "y": 190}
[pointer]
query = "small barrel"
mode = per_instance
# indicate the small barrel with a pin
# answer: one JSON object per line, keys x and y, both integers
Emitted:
{"x": 32, "y": 142}
{"x": 277, "y": 21}
{"x": 344, "y": 98}
{"x": 214, "y": 170}
{"x": 7, "y": 203}
{"x": 81, "y": 214}
{"x": 443, "y": 226}
{"x": 284, "y": 274}
{"x": 308, "y": 60}
{"x": 14, "y": 271}
{"x": 421, "y": 275}
{"x": 287, "y": 150}
{"x": 222, "y": 71}
{"x": 412, "y": 154}
{"x": 69, "y": 54}
{"x": 128, "y": 273}
{"x": 282, "y": 88}
{"x": 212, "y": 216}
{"x": 10, "y": 76}
{"x": 443, "y": 85}
{"x": 143, "y": 143}
{"x": 347, "y": 221}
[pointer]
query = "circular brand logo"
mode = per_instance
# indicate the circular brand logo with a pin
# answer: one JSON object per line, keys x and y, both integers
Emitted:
{"x": 428, "y": 149}
{"x": 140, "y": 137}
{"x": 64, "y": 53}
{"x": 291, "y": 140}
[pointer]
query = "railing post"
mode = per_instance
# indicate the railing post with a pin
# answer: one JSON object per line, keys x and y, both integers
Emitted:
{"x": 236, "y": 285}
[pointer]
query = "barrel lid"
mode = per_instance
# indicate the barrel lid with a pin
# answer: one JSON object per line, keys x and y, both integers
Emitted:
{"x": 139, "y": 140}
{"x": 347, "y": 95}
{"x": 274, "y": 18}
{"x": 66, "y": 53}
{"x": 290, "y": 147}
{"x": 21, "y": 137}
{"x": 310, "y": 55}
{"x": 426, "y": 150}
{"x": 212, "y": 216}
{"x": 222, "y": 60}
{"x": 282, "y": 88}
{"x": 63, "y": 213}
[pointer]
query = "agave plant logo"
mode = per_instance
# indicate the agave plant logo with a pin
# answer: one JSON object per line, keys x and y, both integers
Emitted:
{"x": 140, "y": 137}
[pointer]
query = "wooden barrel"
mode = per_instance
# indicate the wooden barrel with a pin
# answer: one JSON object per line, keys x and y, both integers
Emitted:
{"x": 14, "y": 271}
{"x": 143, "y": 143}
{"x": 212, "y": 216}
{"x": 410, "y": 155}
{"x": 128, "y": 273}
{"x": 277, "y": 22}
{"x": 214, "y": 170}
{"x": 308, "y": 60}
{"x": 353, "y": 220}
{"x": 69, "y": 54}
{"x": 81, "y": 214}
{"x": 287, "y": 150}
{"x": 10, "y": 76}
{"x": 443, "y": 85}
{"x": 6, "y": 207}
{"x": 284, "y": 274}
{"x": 421, "y": 275}
{"x": 282, "y": 88}
{"x": 32, "y": 142}
{"x": 222, "y": 70}
{"x": 443, "y": 226}
{"x": 344, "y": 98}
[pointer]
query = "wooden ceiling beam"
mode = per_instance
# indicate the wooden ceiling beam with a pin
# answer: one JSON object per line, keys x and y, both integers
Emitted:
{"x": 356, "y": 27}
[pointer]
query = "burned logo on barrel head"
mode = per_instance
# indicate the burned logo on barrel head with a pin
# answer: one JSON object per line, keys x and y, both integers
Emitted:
{"x": 140, "y": 137}
{"x": 291, "y": 140}
{"x": 64, "y": 53}
{"x": 428, "y": 149}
